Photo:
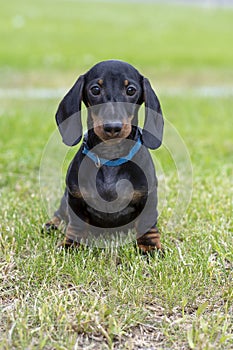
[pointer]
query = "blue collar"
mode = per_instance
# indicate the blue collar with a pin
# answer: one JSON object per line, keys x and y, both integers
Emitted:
{"x": 102, "y": 161}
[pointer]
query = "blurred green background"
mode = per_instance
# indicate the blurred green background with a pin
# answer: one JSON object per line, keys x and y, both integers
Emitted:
{"x": 47, "y": 42}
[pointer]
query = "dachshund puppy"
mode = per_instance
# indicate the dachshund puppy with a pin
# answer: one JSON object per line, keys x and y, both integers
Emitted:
{"x": 111, "y": 184}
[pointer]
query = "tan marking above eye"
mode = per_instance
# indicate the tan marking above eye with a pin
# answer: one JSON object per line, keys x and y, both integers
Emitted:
{"x": 100, "y": 81}
{"x": 126, "y": 82}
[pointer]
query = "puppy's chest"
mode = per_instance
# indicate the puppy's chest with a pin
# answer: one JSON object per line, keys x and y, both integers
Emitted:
{"x": 112, "y": 184}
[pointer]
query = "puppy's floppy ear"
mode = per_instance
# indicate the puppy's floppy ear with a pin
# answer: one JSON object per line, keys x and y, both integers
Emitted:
{"x": 152, "y": 132}
{"x": 68, "y": 116}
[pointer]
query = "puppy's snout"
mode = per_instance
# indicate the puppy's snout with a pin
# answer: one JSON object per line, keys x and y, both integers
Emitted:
{"x": 112, "y": 129}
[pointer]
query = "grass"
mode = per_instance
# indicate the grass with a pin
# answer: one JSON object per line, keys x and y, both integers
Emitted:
{"x": 116, "y": 298}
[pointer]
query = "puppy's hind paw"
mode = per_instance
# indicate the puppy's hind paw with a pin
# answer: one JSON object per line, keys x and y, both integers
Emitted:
{"x": 68, "y": 244}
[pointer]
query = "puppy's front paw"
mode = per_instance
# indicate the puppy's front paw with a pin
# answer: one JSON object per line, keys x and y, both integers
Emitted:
{"x": 150, "y": 241}
{"x": 51, "y": 225}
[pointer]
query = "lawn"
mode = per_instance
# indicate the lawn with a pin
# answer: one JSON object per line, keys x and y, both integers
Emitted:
{"x": 115, "y": 298}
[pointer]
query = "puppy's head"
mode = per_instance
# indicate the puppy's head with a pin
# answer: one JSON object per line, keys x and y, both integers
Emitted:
{"x": 113, "y": 92}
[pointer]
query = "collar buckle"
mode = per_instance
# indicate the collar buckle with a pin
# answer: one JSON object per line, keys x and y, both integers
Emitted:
{"x": 98, "y": 162}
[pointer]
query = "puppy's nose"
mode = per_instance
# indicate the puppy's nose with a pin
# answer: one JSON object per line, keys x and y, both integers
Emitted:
{"x": 113, "y": 129}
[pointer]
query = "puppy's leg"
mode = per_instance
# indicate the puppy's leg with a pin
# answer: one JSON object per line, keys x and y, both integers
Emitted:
{"x": 148, "y": 236}
{"x": 59, "y": 216}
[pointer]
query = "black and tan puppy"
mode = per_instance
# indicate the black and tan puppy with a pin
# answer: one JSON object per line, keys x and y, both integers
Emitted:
{"x": 111, "y": 183}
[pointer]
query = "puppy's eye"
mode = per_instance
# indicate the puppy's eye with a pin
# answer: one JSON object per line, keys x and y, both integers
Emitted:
{"x": 95, "y": 90}
{"x": 131, "y": 90}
